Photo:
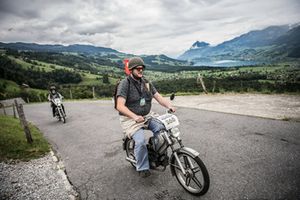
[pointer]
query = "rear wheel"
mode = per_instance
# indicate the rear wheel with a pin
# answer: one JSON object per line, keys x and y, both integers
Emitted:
{"x": 196, "y": 178}
{"x": 129, "y": 148}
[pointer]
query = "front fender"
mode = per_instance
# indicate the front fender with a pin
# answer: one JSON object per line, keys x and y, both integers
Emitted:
{"x": 184, "y": 150}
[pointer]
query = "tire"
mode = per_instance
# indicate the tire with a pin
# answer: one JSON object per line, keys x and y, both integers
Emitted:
{"x": 64, "y": 119}
{"x": 61, "y": 115}
{"x": 129, "y": 148}
{"x": 196, "y": 182}
{"x": 57, "y": 114}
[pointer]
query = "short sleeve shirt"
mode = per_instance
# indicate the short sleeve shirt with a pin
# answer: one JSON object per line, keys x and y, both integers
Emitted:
{"x": 133, "y": 91}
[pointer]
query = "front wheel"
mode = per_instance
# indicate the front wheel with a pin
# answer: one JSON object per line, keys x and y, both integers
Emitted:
{"x": 62, "y": 115}
{"x": 196, "y": 178}
{"x": 64, "y": 119}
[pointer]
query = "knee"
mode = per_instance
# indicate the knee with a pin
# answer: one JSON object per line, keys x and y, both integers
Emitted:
{"x": 139, "y": 138}
{"x": 140, "y": 142}
{"x": 158, "y": 128}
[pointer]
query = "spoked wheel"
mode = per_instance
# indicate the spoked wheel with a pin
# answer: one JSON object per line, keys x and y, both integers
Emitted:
{"x": 62, "y": 116}
{"x": 130, "y": 150}
{"x": 57, "y": 114}
{"x": 196, "y": 179}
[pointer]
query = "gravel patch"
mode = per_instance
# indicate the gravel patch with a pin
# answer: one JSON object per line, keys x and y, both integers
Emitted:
{"x": 42, "y": 178}
{"x": 275, "y": 106}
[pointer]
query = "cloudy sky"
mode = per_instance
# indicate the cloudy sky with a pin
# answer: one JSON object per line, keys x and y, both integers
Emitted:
{"x": 140, "y": 26}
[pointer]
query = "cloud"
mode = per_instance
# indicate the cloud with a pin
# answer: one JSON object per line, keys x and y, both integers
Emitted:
{"x": 140, "y": 27}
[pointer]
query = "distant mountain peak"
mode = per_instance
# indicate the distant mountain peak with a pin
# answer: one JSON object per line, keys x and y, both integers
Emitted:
{"x": 198, "y": 45}
{"x": 270, "y": 43}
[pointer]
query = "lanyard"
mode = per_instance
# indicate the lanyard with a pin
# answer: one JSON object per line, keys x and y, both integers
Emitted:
{"x": 141, "y": 90}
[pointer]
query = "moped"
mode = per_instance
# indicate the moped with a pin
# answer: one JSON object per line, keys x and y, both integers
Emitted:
{"x": 167, "y": 149}
{"x": 59, "y": 111}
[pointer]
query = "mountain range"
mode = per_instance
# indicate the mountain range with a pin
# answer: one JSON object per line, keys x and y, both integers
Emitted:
{"x": 271, "y": 44}
{"x": 75, "y": 48}
{"x": 274, "y": 43}
{"x": 155, "y": 62}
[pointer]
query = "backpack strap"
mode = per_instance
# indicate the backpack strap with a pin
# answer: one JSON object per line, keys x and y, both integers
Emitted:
{"x": 116, "y": 90}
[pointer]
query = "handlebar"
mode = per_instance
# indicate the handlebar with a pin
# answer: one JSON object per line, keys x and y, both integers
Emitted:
{"x": 170, "y": 111}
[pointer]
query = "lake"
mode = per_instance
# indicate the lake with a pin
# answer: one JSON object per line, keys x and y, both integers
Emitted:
{"x": 227, "y": 63}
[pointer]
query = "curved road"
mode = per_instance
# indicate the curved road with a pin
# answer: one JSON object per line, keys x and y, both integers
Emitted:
{"x": 247, "y": 157}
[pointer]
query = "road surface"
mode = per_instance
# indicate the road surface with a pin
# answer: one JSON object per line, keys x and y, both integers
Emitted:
{"x": 247, "y": 157}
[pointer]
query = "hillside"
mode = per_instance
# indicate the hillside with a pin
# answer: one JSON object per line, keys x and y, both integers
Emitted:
{"x": 86, "y": 55}
{"x": 261, "y": 46}
{"x": 290, "y": 42}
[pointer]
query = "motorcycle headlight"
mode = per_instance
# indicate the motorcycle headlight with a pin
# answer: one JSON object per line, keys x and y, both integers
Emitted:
{"x": 175, "y": 132}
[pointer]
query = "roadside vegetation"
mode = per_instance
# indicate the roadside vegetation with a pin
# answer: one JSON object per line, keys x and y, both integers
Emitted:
{"x": 13, "y": 144}
{"x": 81, "y": 76}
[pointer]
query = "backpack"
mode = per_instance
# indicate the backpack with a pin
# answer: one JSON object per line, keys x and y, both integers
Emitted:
{"x": 116, "y": 90}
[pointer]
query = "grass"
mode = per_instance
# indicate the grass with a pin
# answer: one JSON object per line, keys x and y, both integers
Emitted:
{"x": 87, "y": 78}
{"x": 10, "y": 86}
{"x": 48, "y": 67}
{"x": 13, "y": 144}
{"x": 90, "y": 79}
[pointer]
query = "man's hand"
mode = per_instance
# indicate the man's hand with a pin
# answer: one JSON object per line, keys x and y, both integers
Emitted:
{"x": 139, "y": 119}
{"x": 172, "y": 109}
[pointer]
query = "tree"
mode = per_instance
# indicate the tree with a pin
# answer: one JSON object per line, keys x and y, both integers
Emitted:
{"x": 105, "y": 79}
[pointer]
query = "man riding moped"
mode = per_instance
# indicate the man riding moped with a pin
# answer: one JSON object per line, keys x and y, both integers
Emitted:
{"x": 54, "y": 94}
{"x": 134, "y": 101}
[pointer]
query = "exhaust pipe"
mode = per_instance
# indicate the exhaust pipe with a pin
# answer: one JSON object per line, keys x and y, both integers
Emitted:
{"x": 130, "y": 160}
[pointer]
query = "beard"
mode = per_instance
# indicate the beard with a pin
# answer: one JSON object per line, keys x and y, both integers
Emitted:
{"x": 136, "y": 77}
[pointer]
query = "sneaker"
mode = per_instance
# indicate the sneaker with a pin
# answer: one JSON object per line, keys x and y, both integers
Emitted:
{"x": 144, "y": 173}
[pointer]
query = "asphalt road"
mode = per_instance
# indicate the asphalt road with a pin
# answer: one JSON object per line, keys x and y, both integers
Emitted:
{"x": 247, "y": 157}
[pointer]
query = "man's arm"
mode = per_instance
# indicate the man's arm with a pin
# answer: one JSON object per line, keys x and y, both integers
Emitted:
{"x": 49, "y": 97}
{"x": 60, "y": 96}
{"x": 164, "y": 102}
{"x": 125, "y": 111}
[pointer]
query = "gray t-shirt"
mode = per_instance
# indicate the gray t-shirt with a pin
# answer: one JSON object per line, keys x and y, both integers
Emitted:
{"x": 133, "y": 91}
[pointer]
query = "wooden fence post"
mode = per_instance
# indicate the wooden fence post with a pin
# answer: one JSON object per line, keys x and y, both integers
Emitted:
{"x": 199, "y": 79}
{"x": 71, "y": 97}
{"x": 214, "y": 86}
{"x": 14, "y": 110}
{"x": 93, "y": 92}
{"x": 24, "y": 122}
{"x": 4, "y": 110}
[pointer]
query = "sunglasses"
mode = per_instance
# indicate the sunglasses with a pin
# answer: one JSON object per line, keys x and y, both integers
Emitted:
{"x": 139, "y": 68}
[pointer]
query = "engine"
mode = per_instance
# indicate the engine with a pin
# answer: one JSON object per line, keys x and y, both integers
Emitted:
{"x": 157, "y": 152}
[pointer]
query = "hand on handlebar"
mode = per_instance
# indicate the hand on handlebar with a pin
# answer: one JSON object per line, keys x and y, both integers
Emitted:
{"x": 171, "y": 110}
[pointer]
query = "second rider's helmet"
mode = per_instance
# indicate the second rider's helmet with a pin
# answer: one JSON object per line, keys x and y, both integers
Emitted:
{"x": 53, "y": 89}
